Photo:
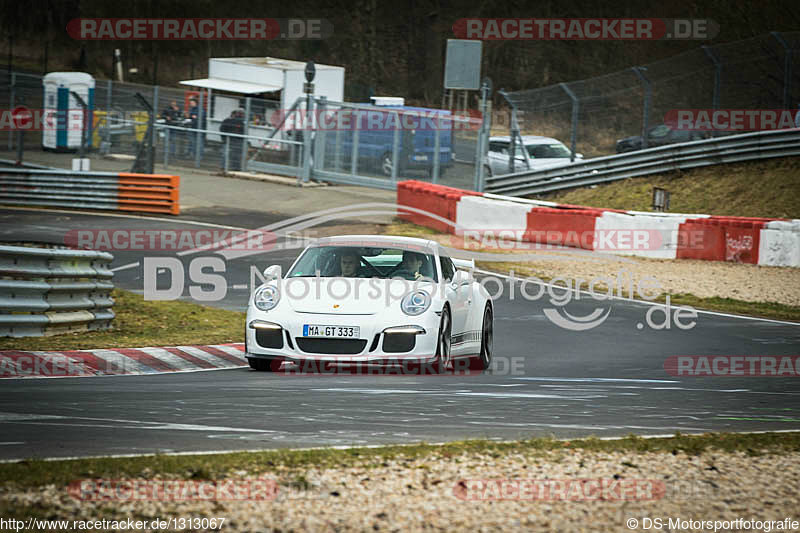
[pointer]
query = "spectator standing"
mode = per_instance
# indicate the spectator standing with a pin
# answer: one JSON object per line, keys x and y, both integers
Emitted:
{"x": 194, "y": 123}
{"x": 173, "y": 116}
{"x": 234, "y": 124}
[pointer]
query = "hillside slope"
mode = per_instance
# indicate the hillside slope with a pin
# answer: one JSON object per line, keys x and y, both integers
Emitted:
{"x": 755, "y": 189}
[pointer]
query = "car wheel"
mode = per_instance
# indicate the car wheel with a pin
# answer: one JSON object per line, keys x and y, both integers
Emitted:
{"x": 386, "y": 164}
{"x": 264, "y": 365}
{"x": 443, "y": 361}
{"x": 483, "y": 360}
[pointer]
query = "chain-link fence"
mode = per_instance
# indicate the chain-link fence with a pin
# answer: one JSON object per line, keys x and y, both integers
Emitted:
{"x": 387, "y": 144}
{"x": 229, "y": 133}
{"x": 172, "y": 127}
{"x": 626, "y": 110}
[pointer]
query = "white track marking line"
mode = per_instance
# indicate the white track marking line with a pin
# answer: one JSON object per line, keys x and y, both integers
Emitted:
{"x": 626, "y": 299}
{"x": 600, "y": 380}
{"x": 137, "y": 217}
{"x": 120, "y": 215}
{"x": 98, "y": 376}
{"x": 126, "y": 267}
{"x": 366, "y": 446}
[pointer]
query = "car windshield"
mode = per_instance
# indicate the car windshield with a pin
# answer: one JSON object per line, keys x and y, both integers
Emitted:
{"x": 547, "y": 151}
{"x": 360, "y": 262}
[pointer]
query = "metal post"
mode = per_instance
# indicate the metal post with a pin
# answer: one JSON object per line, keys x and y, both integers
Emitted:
{"x": 354, "y": 151}
{"x": 307, "y": 131}
{"x": 787, "y": 69}
{"x": 482, "y": 134}
{"x": 396, "y": 147}
{"x": 85, "y": 115}
{"x": 487, "y": 130}
{"x": 107, "y": 130}
{"x": 155, "y": 98}
{"x": 153, "y": 122}
{"x": 226, "y": 157}
{"x": 648, "y": 94}
{"x": 337, "y": 156}
{"x": 575, "y": 109}
{"x": 717, "y": 80}
{"x": 320, "y": 140}
{"x": 514, "y": 134}
{"x": 198, "y": 133}
{"x": 246, "y": 131}
{"x": 166, "y": 146}
{"x": 20, "y": 145}
{"x": 11, "y": 106}
{"x": 437, "y": 146}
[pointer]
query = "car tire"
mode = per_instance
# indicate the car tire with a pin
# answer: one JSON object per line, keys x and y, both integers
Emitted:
{"x": 443, "y": 359}
{"x": 264, "y": 365}
{"x": 484, "y": 359}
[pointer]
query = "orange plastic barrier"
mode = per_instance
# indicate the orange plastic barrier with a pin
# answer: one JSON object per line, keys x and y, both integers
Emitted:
{"x": 435, "y": 199}
{"x": 152, "y": 193}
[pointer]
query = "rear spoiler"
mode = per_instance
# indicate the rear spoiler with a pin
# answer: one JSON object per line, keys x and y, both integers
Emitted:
{"x": 464, "y": 264}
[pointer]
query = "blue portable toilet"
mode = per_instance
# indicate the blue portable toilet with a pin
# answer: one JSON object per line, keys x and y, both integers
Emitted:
{"x": 63, "y": 110}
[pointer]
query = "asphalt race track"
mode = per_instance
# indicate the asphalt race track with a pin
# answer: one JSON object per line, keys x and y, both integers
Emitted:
{"x": 607, "y": 381}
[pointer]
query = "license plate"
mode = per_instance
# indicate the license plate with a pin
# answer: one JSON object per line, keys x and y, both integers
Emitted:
{"x": 331, "y": 332}
{"x": 421, "y": 157}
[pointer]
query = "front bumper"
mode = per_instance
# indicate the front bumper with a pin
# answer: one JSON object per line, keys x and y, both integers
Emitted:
{"x": 379, "y": 341}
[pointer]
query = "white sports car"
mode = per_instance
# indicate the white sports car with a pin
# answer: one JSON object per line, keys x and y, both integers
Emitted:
{"x": 371, "y": 299}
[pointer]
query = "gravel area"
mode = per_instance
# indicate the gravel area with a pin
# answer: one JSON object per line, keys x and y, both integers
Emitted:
{"x": 704, "y": 279}
{"x": 427, "y": 495}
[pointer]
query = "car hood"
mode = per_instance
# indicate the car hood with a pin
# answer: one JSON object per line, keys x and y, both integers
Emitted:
{"x": 346, "y": 296}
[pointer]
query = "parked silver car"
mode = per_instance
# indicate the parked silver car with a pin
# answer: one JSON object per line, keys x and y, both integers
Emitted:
{"x": 543, "y": 152}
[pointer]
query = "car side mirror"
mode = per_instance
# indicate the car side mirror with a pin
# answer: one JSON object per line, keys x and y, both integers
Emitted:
{"x": 272, "y": 272}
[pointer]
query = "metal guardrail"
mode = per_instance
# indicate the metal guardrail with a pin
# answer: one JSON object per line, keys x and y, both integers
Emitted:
{"x": 46, "y": 291}
{"x": 153, "y": 193}
{"x": 730, "y": 149}
{"x": 22, "y": 164}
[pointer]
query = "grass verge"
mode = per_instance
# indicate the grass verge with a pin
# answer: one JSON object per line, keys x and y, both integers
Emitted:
{"x": 754, "y": 189}
{"x": 33, "y": 473}
{"x": 141, "y": 322}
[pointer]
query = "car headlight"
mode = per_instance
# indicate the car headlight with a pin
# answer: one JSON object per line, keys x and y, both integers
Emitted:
{"x": 266, "y": 297}
{"x": 415, "y": 303}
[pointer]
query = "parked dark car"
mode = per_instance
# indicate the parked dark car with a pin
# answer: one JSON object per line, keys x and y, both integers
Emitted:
{"x": 659, "y": 136}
